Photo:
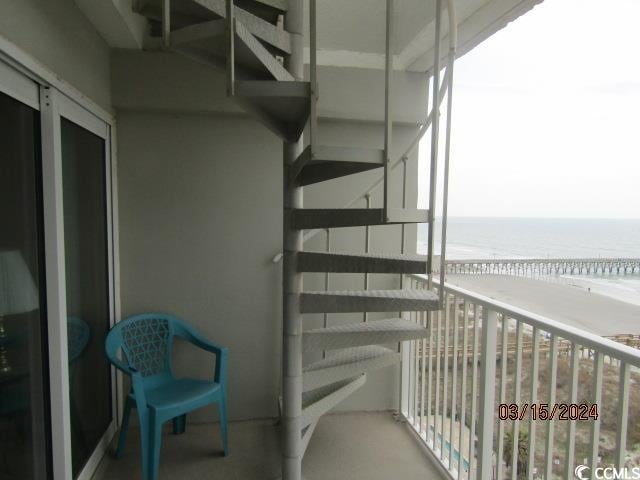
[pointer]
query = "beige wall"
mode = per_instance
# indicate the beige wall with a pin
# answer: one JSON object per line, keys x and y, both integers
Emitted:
{"x": 59, "y": 36}
{"x": 200, "y": 220}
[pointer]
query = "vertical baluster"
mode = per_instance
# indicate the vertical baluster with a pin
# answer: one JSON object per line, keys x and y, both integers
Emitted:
{"x": 454, "y": 381}
{"x": 436, "y": 423}
{"x": 423, "y": 376}
{"x": 412, "y": 376}
{"x": 445, "y": 377}
{"x": 414, "y": 360}
{"x": 325, "y": 316}
{"x": 447, "y": 148}
{"x": 388, "y": 124}
{"x": 367, "y": 241}
{"x": 404, "y": 205}
{"x": 596, "y": 400}
{"x": 553, "y": 376}
{"x": 313, "y": 77}
{"x": 503, "y": 391}
{"x": 430, "y": 319}
{"x": 231, "y": 80}
{"x": 435, "y": 135}
{"x": 463, "y": 387}
{"x": 166, "y": 23}
{"x": 474, "y": 391}
{"x": 573, "y": 398}
{"x": 535, "y": 357}
{"x": 486, "y": 412}
{"x": 516, "y": 399}
{"x": 416, "y": 368}
{"x": 623, "y": 414}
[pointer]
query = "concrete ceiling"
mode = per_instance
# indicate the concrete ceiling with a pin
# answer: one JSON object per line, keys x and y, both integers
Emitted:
{"x": 351, "y": 33}
{"x": 359, "y": 25}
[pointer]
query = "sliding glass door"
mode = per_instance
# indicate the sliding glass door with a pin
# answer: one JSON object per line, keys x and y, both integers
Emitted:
{"x": 24, "y": 435}
{"x": 57, "y": 291}
{"x": 84, "y": 183}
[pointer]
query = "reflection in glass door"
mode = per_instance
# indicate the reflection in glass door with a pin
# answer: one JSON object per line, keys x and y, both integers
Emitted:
{"x": 87, "y": 288}
{"x": 23, "y": 355}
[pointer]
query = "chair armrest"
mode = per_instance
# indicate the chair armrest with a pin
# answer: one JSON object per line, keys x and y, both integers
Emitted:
{"x": 207, "y": 345}
{"x": 221, "y": 353}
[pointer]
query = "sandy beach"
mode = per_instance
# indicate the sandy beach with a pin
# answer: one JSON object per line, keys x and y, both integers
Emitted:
{"x": 590, "y": 311}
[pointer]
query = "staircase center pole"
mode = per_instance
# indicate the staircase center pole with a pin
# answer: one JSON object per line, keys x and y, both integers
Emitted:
{"x": 292, "y": 280}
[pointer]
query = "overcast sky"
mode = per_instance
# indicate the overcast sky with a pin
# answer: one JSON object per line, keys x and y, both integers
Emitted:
{"x": 546, "y": 119}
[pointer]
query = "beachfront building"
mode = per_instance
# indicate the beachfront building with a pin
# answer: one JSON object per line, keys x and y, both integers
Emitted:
{"x": 252, "y": 168}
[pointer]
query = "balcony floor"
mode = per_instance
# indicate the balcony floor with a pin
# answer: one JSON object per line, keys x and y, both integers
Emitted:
{"x": 353, "y": 446}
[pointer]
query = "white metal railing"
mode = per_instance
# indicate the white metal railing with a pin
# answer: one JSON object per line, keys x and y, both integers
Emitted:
{"x": 569, "y": 397}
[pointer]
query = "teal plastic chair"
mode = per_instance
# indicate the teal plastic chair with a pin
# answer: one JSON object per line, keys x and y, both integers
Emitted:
{"x": 146, "y": 341}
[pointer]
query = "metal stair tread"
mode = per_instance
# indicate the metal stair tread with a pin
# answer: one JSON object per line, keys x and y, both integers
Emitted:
{"x": 345, "y": 301}
{"x": 283, "y": 106}
{"x": 252, "y": 60}
{"x": 375, "y": 332}
{"x": 346, "y": 363}
{"x": 259, "y": 27}
{"x": 319, "y": 401}
{"x": 360, "y": 263}
{"x": 323, "y": 163}
{"x": 268, "y": 10}
{"x": 252, "y": 52}
{"x": 349, "y": 356}
{"x": 310, "y": 218}
{"x": 185, "y": 13}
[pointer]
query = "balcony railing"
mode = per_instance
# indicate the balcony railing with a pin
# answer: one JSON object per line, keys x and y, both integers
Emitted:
{"x": 575, "y": 396}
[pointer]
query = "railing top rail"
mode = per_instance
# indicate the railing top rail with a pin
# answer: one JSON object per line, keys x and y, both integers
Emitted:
{"x": 625, "y": 353}
{"x": 542, "y": 260}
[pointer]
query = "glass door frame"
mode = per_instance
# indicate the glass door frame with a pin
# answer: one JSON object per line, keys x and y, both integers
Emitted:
{"x": 24, "y": 79}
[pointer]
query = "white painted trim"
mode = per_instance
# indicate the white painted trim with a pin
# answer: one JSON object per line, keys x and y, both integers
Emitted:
{"x": 96, "y": 457}
{"x": 71, "y": 110}
{"x": 117, "y": 306}
{"x": 109, "y": 188}
{"x": 19, "y": 87}
{"x": 32, "y": 68}
{"x": 56, "y": 284}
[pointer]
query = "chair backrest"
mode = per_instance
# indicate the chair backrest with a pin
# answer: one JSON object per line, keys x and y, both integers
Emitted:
{"x": 146, "y": 341}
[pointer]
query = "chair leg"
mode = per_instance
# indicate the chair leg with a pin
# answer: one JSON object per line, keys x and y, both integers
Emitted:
{"x": 155, "y": 441}
{"x": 145, "y": 433}
{"x": 222, "y": 412}
{"x": 179, "y": 424}
{"x": 128, "y": 405}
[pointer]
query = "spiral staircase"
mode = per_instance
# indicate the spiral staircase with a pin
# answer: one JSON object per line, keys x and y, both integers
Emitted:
{"x": 260, "y": 45}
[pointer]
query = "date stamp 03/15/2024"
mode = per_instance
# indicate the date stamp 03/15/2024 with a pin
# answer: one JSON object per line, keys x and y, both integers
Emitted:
{"x": 549, "y": 412}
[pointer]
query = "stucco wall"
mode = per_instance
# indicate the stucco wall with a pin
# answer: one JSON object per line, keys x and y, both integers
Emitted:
{"x": 60, "y": 37}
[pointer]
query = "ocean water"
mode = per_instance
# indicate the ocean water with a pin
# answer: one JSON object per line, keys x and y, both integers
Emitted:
{"x": 548, "y": 238}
